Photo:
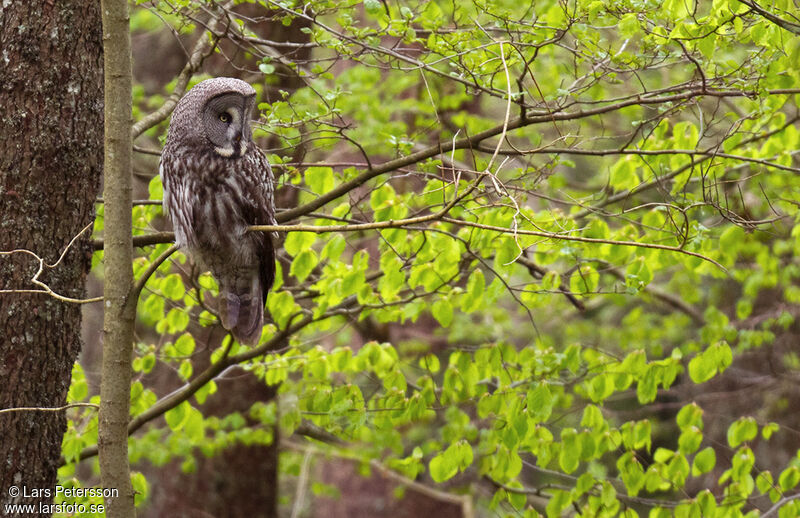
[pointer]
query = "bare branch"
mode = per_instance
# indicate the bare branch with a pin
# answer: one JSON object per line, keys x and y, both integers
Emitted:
{"x": 47, "y": 409}
{"x": 203, "y": 48}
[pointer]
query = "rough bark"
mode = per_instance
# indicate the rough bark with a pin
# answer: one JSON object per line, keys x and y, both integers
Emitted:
{"x": 119, "y": 299}
{"x": 50, "y": 160}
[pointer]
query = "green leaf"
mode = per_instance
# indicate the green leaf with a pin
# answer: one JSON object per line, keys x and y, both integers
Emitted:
{"x": 704, "y": 461}
{"x": 593, "y": 418}
{"x": 320, "y": 179}
{"x": 172, "y": 286}
{"x": 206, "y": 390}
{"x": 623, "y": 174}
{"x": 628, "y": 25}
{"x": 430, "y": 363}
{"x": 647, "y": 388}
{"x": 297, "y": 242}
{"x": 539, "y": 402}
{"x": 281, "y": 306}
{"x": 184, "y": 345}
{"x": 569, "y": 456}
{"x": 303, "y": 264}
{"x": 585, "y": 280}
{"x": 176, "y": 417}
{"x": 701, "y": 369}
{"x": 742, "y": 430}
{"x": 631, "y": 472}
{"x": 194, "y": 425}
{"x": 79, "y": 387}
{"x": 443, "y": 466}
{"x": 690, "y": 415}
{"x": 558, "y": 502}
{"x": 473, "y": 296}
{"x": 764, "y": 482}
{"x": 442, "y": 311}
{"x": 551, "y": 281}
{"x": 789, "y": 478}
{"x": 333, "y": 249}
{"x": 373, "y": 7}
{"x": 769, "y": 429}
{"x": 155, "y": 188}
{"x": 382, "y": 197}
{"x": 597, "y": 229}
{"x": 141, "y": 489}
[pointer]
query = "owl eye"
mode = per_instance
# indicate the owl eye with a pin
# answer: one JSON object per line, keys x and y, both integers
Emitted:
{"x": 225, "y": 117}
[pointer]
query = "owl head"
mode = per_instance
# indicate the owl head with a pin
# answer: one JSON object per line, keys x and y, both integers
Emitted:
{"x": 215, "y": 113}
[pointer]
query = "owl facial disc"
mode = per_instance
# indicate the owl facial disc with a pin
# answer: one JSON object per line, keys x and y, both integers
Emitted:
{"x": 225, "y": 119}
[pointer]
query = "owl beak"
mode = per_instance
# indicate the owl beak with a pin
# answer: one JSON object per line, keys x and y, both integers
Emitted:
{"x": 241, "y": 144}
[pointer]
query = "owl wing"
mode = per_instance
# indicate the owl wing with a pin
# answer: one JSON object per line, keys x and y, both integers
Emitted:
{"x": 259, "y": 209}
{"x": 175, "y": 200}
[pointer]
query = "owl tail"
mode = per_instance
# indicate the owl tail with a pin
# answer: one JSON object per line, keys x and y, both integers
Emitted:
{"x": 241, "y": 306}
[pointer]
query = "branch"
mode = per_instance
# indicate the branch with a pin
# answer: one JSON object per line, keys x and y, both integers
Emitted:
{"x": 156, "y": 238}
{"x": 203, "y": 48}
{"x": 302, "y": 484}
{"x": 376, "y": 225}
{"x": 640, "y": 152}
{"x": 42, "y": 265}
{"x": 441, "y": 216}
{"x": 780, "y": 22}
{"x": 773, "y": 511}
{"x": 473, "y": 141}
{"x": 537, "y": 271}
{"x": 463, "y": 501}
{"x": 46, "y": 409}
{"x": 151, "y": 269}
{"x": 565, "y": 237}
{"x": 647, "y": 186}
{"x": 182, "y": 394}
{"x": 668, "y": 298}
{"x": 46, "y": 290}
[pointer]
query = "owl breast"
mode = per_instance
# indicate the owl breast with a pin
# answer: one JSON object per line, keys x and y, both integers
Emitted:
{"x": 212, "y": 202}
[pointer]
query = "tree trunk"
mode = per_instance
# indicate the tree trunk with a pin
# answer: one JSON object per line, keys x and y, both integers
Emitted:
{"x": 51, "y": 129}
{"x": 118, "y": 297}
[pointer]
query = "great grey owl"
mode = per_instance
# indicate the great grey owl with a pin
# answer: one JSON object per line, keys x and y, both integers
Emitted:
{"x": 216, "y": 184}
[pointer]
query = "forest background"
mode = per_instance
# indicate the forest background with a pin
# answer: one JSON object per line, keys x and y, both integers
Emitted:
{"x": 534, "y": 259}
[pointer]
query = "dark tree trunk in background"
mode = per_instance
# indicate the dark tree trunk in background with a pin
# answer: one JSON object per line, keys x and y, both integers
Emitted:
{"x": 51, "y": 129}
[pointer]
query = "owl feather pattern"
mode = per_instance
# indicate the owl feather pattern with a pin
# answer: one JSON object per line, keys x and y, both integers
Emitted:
{"x": 217, "y": 183}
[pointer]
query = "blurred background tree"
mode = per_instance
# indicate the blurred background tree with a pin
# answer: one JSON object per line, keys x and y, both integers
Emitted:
{"x": 538, "y": 259}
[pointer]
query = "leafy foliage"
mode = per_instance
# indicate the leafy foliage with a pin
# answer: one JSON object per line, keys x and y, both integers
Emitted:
{"x": 589, "y": 209}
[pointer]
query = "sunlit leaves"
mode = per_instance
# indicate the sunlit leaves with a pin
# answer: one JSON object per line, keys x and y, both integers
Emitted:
{"x": 704, "y": 461}
{"x": 303, "y": 263}
{"x": 623, "y": 175}
{"x": 297, "y": 242}
{"x": 585, "y": 280}
{"x": 457, "y": 457}
{"x": 319, "y": 179}
{"x": 79, "y": 388}
{"x": 442, "y": 311}
{"x": 281, "y": 306}
{"x": 492, "y": 369}
{"x": 706, "y": 364}
{"x": 540, "y": 402}
{"x": 742, "y": 430}
{"x": 472, "y": 298}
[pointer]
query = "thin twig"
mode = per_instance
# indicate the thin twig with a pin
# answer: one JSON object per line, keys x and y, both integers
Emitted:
{"x": 47, "y": 409}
